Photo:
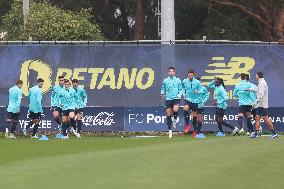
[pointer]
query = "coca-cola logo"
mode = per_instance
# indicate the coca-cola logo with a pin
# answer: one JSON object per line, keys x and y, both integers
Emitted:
{"x": 102, "y": 118}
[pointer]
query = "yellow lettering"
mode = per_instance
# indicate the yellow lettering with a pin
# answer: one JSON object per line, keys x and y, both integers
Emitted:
{"x": 124, "y": 76}
{"x": 139, "y": 78}
{"x": 108, "y": 79}
{"x": 95, "y": 73}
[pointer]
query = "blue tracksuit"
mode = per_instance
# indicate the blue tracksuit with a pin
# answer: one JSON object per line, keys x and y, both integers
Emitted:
{"x": 172, "y": 88}
{"x": 211, "y": 85}
{"x": 15, "y": 98}
{"x": 203, "y": 96}
{"x": 68, "y": 99}
{"x": 80, "y": 95}
{"x": 55, "y": 95}
{"x": 221, "y": 96}
{"x": 35, "y": 96}
{"x": 189, "y": 86}
{"x": 253, "y": 94}
{"x": 244, "y": 96}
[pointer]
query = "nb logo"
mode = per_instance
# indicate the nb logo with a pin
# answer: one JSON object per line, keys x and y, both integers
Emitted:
{"x": 229, "y": 72}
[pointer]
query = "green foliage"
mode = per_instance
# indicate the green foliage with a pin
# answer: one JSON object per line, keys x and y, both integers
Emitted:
{"x": 5, "y": 6}
{"x": 47, "y": 22}
{"x": 12, "y": 22}
{"x": 115, "y": 19}
{"x": 189, "y": 17}
{"x": 73, "y": 5}
{"x": 194, "y": 19}
{"x": 220, "y": 27}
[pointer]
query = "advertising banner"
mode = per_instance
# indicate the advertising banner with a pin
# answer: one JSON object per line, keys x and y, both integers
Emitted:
{"x": 138, "y": 119}
{"x": 154, "y": 119}
{"x": 131, "y": 75}
{"x": 94, "y": 119}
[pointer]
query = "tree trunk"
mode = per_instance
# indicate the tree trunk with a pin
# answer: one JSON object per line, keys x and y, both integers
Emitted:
{"x": 139, "y": 20}
{"x": 279, "y": 28}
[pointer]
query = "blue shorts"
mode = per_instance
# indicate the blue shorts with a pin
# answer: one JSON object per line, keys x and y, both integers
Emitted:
{"x": 13, "y": 116}
{"x": 253, "y": 113}
{"x": 171, "y": 103}
{"x": 192, "y": 106}
{"x": 33, "y": 115}
{"x": 261, "y": 111}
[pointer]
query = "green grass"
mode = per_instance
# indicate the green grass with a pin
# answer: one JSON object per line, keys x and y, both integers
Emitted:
{"x": 114, "y": 162}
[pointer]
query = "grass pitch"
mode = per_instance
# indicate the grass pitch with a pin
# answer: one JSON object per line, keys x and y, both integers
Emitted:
{"x": 115, "y": 162}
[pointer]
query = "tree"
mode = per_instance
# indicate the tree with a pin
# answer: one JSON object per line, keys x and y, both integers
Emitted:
{"x": 267, "y": 14}
{"x": 119, "y": 19}
{"x": 73, "y": 5}
{"x": 47, "y": 22}
{"x": 5, "y": 6}
{"x": 196, "y": 18}
{"x": 189, "y": 18}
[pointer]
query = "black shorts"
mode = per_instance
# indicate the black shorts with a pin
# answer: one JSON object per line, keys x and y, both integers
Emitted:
{"x": 245, "y": 109}
{"x": 171, "y": 103}
{"x": 79, "y": 111}
{"x": 261, "y": 111}
{"x": 192, "y": 106}
{"x": 57, "y": 109}
{"x": 13, "y": 116}
{"x": 200, "y": 110}
{"x": 33, "y": 115}
{"x": 66, "y": 112}
{"x": 253, "y": 113}
{"x": 220, "y": 112}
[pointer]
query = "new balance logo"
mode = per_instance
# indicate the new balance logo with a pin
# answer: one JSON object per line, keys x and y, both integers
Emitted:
{"x": 229, "y": 72}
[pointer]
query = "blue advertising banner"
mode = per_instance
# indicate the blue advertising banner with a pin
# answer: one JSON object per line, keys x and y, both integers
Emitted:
{"x": 229, "y": 61}
{"x": 112, "y": 75}
{"x": 131, "y": 75}
{"x": 103, "y": 119}
{"x": 148, "y": 119}
{"x": 47, "y": 123}
{"x": 2, "y": 119}
{"x": 138, "y": 119}
{"x": 94, "y": 119}
{"x": 154, "y": 119}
